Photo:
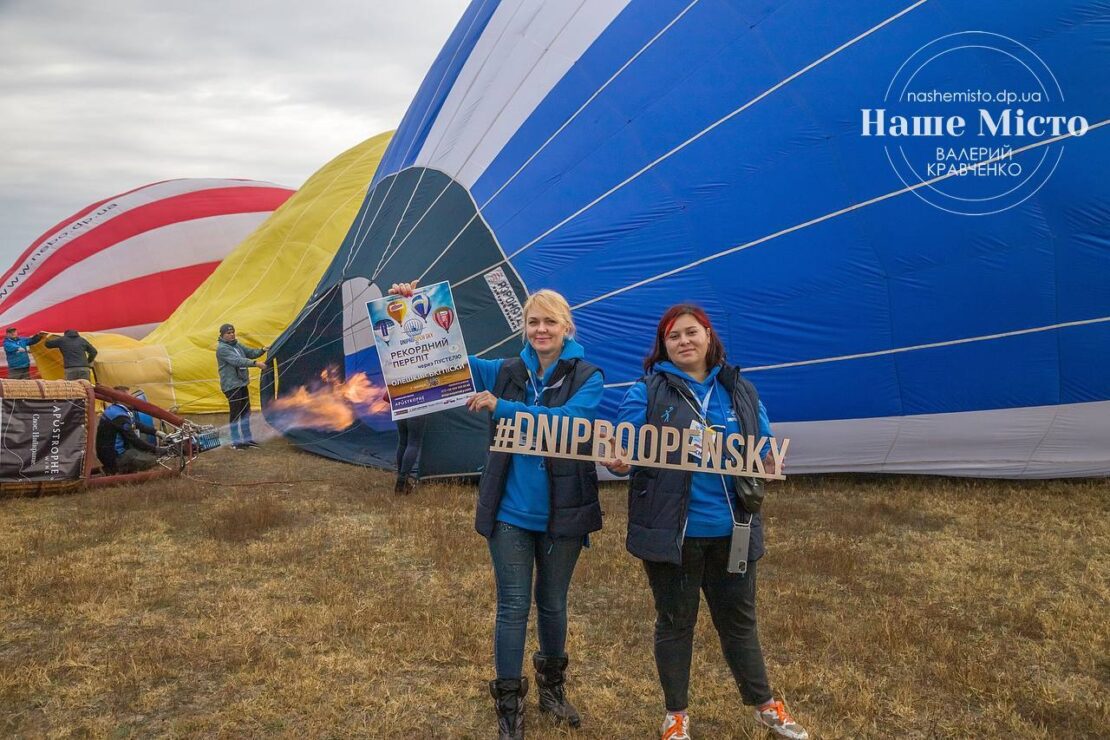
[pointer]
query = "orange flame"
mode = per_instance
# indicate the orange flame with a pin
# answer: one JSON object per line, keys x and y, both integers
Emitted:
{"x": 332, "y": 406}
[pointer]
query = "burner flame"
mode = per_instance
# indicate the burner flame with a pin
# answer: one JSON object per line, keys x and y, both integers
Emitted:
{"x": 331, "y": 405}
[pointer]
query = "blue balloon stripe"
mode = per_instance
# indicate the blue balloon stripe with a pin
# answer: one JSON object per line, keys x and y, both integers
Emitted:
{"x": 655, "y": 141}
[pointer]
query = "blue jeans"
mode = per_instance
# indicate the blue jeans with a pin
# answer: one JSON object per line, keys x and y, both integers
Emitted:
{"x": 515, "y": 552}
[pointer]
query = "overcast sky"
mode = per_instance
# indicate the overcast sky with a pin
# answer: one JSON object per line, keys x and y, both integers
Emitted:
{"x": 100, "y": 98}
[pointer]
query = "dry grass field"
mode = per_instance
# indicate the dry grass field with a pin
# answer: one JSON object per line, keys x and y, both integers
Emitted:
{"x": 890, "y": 607}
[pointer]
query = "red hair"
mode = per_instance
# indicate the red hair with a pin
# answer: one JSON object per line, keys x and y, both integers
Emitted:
{"x": 714, "y": 354}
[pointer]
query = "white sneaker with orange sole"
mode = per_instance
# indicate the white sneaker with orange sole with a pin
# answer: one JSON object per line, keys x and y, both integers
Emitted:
{"x": 774, "y": 717}
{"x": 676, "y": 726}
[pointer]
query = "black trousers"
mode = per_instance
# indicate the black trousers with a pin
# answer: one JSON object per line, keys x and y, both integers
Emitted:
{"x": 731, "y": 598}
{"x": 239, "y": 406}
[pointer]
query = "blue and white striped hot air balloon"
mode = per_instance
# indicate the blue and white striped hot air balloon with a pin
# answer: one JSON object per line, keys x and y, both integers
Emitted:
{"x": 896, "y": 212}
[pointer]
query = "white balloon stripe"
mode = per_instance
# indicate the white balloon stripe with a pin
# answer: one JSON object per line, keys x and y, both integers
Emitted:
{"x": 593, "y": 96}
{"x": 171, "y": 247}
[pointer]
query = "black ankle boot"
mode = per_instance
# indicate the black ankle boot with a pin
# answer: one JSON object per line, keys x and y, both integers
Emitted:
{"x": 551, "y": 675}
{"x": 508, "y": 696}
{"x": 399, "y": 485}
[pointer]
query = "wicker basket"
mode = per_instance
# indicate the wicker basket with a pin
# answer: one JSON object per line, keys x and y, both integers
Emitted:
{"x": 60, "y": 390}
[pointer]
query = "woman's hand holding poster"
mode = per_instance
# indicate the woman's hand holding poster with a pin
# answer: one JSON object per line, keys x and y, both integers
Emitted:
{"x": 422, "y": 352}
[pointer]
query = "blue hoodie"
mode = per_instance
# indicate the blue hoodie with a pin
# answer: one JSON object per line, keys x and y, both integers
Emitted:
{"x": 708, "y": 514}
{"x": 526, "y": 501}
{"x": 15, "y": 351}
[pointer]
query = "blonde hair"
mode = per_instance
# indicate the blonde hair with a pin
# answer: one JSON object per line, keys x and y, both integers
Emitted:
{"x": 551, "y": 303}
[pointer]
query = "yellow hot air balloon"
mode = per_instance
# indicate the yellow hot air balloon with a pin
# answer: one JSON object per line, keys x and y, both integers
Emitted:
{"x": 260, "y": 287}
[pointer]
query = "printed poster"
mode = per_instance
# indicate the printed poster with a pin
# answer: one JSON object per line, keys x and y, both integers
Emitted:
{"x": 42, "y": 440}
{"x": 423, "y": 356}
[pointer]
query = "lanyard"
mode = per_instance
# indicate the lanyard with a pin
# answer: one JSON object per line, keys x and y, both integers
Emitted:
{"x": 539, "y": 390}
{"x": 703, "y": 416}
{"x": 708, "y": 429}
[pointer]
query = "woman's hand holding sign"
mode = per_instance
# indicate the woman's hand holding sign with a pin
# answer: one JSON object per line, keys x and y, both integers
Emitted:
{"x": 618, "y": 463}
{"x": 405, "y": 290}
{"x": 482, "y": 401}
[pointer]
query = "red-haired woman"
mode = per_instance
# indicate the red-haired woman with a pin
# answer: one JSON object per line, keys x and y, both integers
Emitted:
{"x": 681, "y": 524}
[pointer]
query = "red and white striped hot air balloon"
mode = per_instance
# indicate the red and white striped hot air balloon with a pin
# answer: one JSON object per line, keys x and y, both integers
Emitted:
{"x": 124, "y": 264}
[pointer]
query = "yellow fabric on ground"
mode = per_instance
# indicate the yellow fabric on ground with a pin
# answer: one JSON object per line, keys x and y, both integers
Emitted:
{"x": 260, "y": 288}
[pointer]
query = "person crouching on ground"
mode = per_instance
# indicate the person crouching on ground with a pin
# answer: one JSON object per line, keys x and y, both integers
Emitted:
{"x": 118, "y": 444}
{"x": 534, "y": 512}
{"x": 233, "y": 360}
{"x": 680, "y": 523}
{"x": 17, "y": 354}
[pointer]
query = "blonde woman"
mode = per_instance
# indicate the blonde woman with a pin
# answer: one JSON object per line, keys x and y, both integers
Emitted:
{"x": 534, "y": 512}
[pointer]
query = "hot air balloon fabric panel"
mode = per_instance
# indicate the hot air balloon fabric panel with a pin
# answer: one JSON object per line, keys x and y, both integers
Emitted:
{"x": 260, "y": 286}
{"x": 124, "y": 264}
{"x": 635, "y": 154}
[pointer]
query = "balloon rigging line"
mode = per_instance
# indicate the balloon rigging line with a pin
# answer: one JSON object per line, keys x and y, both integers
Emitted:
{"x": 221, "y": 484}
{"x": 667, "y": 155}
{"x": 451, "y": 244}
{"x": 854, "y": 207}
{"x": 358, "y": 239}
{"x": 430, "y": 208}
{"x": 400, "y": 220}
{"x": 909, "y": 348}
{"x": 524, "y": 78}
{"x": 381, "y": 265}
{"x": 590, "y": 99}
{"x": 813, "y": 222}
{"x": 551, "y": 138}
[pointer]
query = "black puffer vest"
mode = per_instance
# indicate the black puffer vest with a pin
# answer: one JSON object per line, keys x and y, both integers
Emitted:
{"x": 658, "y": 498}
{"x": 574, "y": 510}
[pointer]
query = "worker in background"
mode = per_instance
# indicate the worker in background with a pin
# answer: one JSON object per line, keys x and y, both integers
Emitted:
{"x": 118, "y": 444}
{"x": 77, "y": 354}
{"x": 17, "y": 354}
{"x": 232, "y": 360}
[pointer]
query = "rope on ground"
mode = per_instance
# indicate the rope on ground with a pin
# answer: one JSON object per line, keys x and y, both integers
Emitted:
{"x": 252, "y": 483}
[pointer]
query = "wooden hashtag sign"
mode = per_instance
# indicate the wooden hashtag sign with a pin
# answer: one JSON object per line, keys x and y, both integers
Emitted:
{"x": 504, "y": 439}
{"x": 649, "y": 446}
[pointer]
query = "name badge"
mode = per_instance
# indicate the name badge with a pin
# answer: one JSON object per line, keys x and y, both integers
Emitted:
{"x": 699, "y": 431}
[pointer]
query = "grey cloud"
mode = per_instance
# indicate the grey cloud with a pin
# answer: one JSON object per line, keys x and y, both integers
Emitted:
{"x": 101, "y": 98}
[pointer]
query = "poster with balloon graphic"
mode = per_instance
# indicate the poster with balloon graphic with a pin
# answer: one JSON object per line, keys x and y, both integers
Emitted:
{"x": 421, "y": 347}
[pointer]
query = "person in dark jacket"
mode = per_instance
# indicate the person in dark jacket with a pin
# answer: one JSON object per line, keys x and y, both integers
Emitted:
{"x": 680, "y": 523}
{"x": 77, "y": 354}
{"x": 17, "y": 354}
{"x": 118, "y": 444}
{"x": 535, "y": 512}
{"x": 232, "y": 361}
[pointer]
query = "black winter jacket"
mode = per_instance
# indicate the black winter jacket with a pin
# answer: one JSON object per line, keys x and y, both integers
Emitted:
{"x": 76, "y": 350}
{"x": 658, "y": 498}
{"x": 572, "y": 485}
